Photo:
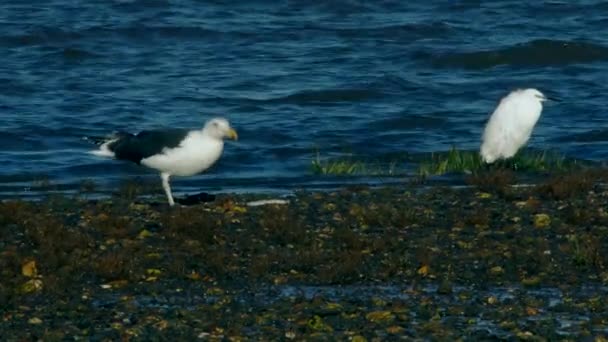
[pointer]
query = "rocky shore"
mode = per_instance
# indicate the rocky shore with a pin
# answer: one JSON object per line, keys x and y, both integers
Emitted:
{"x": 490, "y": 260}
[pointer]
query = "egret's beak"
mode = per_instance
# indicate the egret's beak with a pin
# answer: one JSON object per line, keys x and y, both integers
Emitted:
{"x": 544, "y": 98}
{"x": 232, "y": 134}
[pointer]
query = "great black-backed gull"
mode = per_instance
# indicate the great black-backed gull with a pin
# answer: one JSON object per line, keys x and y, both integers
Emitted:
{"x": 173, "y": 152}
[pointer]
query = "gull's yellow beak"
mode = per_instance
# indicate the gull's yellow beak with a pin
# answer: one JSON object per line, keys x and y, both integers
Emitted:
{"x": 232, "y": 134}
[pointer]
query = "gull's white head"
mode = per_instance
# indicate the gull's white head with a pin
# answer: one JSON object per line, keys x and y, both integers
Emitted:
{"x": 219, "y": 128}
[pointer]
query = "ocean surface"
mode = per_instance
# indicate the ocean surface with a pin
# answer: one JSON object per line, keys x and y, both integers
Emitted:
{"x": 375, "y": 79}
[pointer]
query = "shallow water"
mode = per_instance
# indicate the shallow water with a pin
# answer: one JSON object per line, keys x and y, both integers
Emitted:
{"x": 488, "y": 312}
{"x": 376, "y": 80}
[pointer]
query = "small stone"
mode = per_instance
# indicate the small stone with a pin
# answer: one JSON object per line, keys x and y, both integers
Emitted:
{"x": 524, "y": 335}
{"x": 153, "y": 272}
{"x": 28, "y": 269}
{"x": 34, "y": 320}
{"x": 333, "y": 307}
{"x": 541, "y": 220}
{"x": 162, "y": 325}
{"x": 32, "y": 285}
{"x": 144, "y": 234}
{"x": 317, "y": 323}
{"x": 520, "y": 204}
{"x": 139, "y": 207}
{"x": 380, "y": 316}
{"x": 280, "y": 280}
{"x": 497, "y": 270}
{"x": 395, "y": 329}
{"x": 531, "y": 311}
{"x": 423, "y": 270}
{"x": 531, "y": 281}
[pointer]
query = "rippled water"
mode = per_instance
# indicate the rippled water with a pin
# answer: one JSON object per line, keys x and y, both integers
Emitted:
{"x": 371, "y": 78}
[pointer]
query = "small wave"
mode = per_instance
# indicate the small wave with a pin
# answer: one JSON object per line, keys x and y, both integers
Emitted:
{"x": 146, "y": 32}
{"x": 595, "y": 135}
{"x": 326, "y": 96}
{"x": 140, "y": 32}
{"x": 70, "y": 55}
{"x": 407, "y": 121}
{"x": 16, "y": 87}
{"x": 77, "y": 54}
{"x": 397, "y": 31}
{"x": 41, "y": 35}
{"x": 44, "y": 35}
{"x": 138, "y": 5}
{"x": 19, "y": 142}
{"x": 18, "y": 180}
{"x": 534, "y": 53}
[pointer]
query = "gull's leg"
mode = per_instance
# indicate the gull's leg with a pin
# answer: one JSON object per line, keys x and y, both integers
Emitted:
{"x": 165, "y": 177}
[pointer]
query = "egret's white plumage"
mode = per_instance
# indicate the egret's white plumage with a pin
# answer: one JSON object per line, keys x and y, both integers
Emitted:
{"x": 173, "y": 152}
{"x": 511, "y": 124}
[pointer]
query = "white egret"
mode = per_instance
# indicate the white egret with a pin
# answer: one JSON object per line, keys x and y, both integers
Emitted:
{"x": 511, "y": 124}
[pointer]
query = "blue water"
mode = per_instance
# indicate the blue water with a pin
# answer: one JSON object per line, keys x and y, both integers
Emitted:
{"x": 371, "y": 78}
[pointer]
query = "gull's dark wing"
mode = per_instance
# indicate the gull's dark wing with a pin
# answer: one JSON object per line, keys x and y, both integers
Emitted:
{"x": 146, "y": 143}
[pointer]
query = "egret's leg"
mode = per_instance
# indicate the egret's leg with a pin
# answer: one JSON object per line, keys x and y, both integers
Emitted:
{"x": 165, "y": 178}
{"x": 486, "y": 166}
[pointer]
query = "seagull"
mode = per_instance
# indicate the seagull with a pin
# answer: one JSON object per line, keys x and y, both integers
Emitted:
{"x": 173, "y": 152}
{"x": 511, "y": 124}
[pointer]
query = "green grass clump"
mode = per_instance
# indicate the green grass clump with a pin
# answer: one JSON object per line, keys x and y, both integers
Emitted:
{"x": 350, "y": 167}
{"x": 458, "y": 161}
{"x": 453, "y": 161}
{"x": 542, "y": 161}
{"x": 335, "y": 167}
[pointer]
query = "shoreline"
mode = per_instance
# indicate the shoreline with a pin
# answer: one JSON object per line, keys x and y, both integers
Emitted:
{"x": 123, "y": 268}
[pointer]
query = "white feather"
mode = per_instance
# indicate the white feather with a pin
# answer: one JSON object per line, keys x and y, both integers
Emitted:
{"x": 195, "y": 154}
{"x": 511, "y": 124}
